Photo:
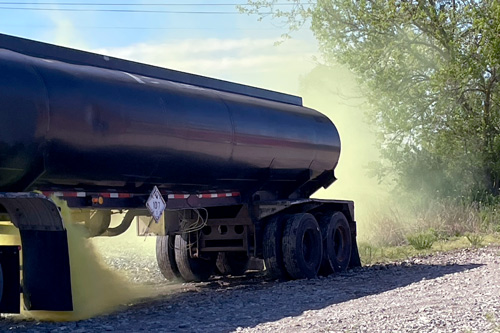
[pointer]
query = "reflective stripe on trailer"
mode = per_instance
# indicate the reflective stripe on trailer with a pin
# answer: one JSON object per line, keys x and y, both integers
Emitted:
{"x": 84, "y": 194}
{"x": 205, "y": 195}
{"x": 178, "y": 196}
{"x": 113, "y": 195}
{"x": 218, "y": 195}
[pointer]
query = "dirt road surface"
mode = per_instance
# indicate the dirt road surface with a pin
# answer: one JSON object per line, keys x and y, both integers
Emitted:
{"x": 451, "y": 292}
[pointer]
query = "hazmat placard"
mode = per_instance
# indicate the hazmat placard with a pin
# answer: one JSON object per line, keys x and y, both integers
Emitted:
{"x": 156, "y": 204}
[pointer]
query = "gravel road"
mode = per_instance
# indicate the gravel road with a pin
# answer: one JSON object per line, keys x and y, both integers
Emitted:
{"x": 450, "y": 292}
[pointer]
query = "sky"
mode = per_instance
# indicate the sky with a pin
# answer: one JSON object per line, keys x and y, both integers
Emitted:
{"x": 206, "y": 37}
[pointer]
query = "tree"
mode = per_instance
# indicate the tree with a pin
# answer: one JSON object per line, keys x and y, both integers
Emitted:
{"x": 430, "y": 70}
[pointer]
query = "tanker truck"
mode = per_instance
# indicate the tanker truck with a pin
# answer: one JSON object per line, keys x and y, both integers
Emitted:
{"x": 222, "y": 173}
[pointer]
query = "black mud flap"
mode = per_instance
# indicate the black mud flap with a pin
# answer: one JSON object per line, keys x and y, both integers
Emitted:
{"x": 355, "y": 260}
{"x": 10, "y": 288}
{"x": 46, "y": 270}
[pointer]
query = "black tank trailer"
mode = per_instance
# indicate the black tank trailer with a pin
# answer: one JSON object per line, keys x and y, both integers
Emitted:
{"x": 221, "y": 172}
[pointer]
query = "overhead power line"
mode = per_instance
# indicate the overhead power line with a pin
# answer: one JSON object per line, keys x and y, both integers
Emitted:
{"x": 119, "y": 10}
{"x": 70, "y": 7}
{"x": 17, "y": 3}
{"x": 136, "y": 27}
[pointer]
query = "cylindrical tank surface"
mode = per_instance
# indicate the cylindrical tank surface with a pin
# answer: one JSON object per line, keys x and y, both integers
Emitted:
{"x": 69, "y": 126}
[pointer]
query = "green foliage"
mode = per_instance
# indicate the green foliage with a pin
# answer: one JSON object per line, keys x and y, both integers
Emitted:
{"x": 430, "y": 70}
{"x": 422, "y": 240}
{"x": 384, "y": 254}
{"x": 366, "y": 252}
{"x": 371, "y": 254}
{"x": 475, "y": 240}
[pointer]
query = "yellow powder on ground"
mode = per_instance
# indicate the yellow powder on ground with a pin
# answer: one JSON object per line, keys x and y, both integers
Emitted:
{"x": 96, "y": 288}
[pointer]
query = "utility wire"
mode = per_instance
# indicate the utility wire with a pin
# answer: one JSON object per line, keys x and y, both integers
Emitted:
{"x": 137, "y": 4}
{"x": 138, "y": 28}
{"x": 124, "y": 10}
{"x": 120, "y": 10}
{"x": 8, "y": 5}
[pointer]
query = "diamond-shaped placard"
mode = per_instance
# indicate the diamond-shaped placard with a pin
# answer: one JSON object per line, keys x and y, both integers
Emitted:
{"x": 156, "y": 204}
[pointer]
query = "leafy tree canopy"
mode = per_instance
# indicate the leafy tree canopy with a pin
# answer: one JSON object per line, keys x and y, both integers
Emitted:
{"x": 430, "y": 70}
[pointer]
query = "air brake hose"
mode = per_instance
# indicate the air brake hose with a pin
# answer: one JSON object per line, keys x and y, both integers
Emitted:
{"x": 123, "y": 226}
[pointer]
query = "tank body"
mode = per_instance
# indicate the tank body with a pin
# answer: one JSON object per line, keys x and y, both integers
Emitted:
{"x": 71, "y": 126}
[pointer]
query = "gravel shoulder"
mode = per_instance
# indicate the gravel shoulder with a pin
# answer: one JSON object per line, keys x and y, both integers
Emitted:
{"x": 457, "y": 291}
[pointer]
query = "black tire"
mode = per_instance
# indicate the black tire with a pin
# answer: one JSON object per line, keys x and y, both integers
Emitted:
{"x": 302, "y": 246}
{"x": 232, "y": 263}
{"x": 165, "y": 257}
{"x": 337, "y": 243}
{"x": 272, "y": 249}
{"x": 192, "y": 269}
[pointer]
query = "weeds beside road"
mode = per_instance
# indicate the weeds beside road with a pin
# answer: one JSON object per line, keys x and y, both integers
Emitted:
{"x": 428, "y": 227}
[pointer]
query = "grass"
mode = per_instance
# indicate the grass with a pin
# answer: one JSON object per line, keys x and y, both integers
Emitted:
{"x": 422, "y": 240}
{"x": 475, "y": 240}
{"x": 392, "y": 226}
{"x": 371, "y": 254}
{"x": 400, "y": 232}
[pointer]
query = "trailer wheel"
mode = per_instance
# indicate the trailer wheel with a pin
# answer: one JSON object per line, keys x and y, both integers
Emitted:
{"x": 234, "y": 263}
{"x": 337, "y": 243}
{"x": 165, "y": 257}
{"x": 272, "y": 249}
{"x": 192, "y": 269}
{"x": 302, "y": 246}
